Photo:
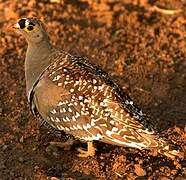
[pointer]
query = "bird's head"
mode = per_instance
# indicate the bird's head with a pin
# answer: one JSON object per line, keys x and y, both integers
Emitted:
{"x": 32, "y": 29}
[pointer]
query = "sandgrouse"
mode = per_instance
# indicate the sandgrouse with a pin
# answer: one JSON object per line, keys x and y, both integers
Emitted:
{"x": 77, "y": 97}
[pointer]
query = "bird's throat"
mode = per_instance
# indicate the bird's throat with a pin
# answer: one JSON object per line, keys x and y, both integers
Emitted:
{"x": 37, "y": 59}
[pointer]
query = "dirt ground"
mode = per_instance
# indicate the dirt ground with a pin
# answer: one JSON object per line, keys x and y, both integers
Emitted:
{"x": 141, "y": 46}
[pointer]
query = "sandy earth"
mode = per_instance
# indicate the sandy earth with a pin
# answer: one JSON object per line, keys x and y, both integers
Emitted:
{"x": 144, "y": 50}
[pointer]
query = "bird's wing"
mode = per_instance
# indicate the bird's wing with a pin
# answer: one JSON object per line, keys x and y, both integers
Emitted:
{"x": 75, "y": 99}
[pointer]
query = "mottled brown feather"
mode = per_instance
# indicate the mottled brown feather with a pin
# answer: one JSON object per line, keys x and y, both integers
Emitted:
{"x": 65, "y": 89}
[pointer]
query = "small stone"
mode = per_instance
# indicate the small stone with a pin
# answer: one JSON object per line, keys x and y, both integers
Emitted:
{"x": 139, "y": 170}
{"x": 54, "y": 178}
{"x": 21, "y": 159}
{"x": 164, "y": 178}
{"x": 4, "y": 147}
{"x": 21, "y": 139}
{"x": 55, "y": 1}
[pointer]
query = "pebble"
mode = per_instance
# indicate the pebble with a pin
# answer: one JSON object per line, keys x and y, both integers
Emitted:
{"x": 139, "y": 170}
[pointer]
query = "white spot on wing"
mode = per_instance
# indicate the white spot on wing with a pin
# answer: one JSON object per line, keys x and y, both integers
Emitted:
{"x": 65, "y": 82}
{"x": 127, "y": 115}
{"x": 69, "y": 109}
{"x": 60, "y": 103}
{"x": 112, "y": 122}
{"x": 59, "y": 84}
{"x": 86, "y": 100}
{"x": 77, "y": 115}
{"x": 92, "y": 123}
{"x": 109, "y": 133}
{"x": 97, "y": 136}
{"x": 79, "y": 127}
{"x": 61, "y": 127}
{"x": 80, "y": 98}
{"x": 67, "y": 118}
{"x": 88, "y": 126}
{"x": 76, "y": 83}
{"x": 73, "y": 118}
{"x": 56, "y": 78}
{"x": 53, "y": 111}
{"x": 64, "y": 119}
{"x": 88, "y": 138}
{"x": 52, "y": 119}
{"x": 114, "y": 129}
{"x": 81, "y": 103}
{"x": 84, "y": 127}
{"x": 94, "y": 81}
{"x": 57, "y": 119}
{"x": 71, "y": 90}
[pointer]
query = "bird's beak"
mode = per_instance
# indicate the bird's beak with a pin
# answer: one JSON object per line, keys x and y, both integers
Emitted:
{"x": 12, "y": 28}
{"x": 16, "y": 26}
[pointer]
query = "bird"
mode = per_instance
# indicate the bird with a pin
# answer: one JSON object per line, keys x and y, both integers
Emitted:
{"x": 76, "y": 96}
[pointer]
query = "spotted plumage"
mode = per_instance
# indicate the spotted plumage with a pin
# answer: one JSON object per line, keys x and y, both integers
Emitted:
{"x": 90, "y": 105}
{"x": 77, "y": 97}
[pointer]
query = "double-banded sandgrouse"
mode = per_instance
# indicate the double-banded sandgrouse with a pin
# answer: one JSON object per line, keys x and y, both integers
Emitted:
{"x": 77, "y": 97}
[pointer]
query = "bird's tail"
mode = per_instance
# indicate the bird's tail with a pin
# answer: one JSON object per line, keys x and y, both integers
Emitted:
{"x": 166, "y": 149}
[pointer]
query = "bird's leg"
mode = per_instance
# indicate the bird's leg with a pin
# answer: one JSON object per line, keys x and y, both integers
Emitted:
{"x": 65, "y": 145}
{"x": 90, "y": 150}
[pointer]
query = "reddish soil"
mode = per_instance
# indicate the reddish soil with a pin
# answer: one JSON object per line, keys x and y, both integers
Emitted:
{"x": 144, "y": 50}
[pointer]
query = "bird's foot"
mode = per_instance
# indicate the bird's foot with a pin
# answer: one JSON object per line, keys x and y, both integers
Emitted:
{"x": 90, "y": 150}
{"x": 65, "y": 145}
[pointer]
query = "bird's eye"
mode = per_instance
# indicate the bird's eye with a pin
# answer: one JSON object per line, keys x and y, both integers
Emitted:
{"x": 30, "y": 28}
{"x": 22, "y": 23}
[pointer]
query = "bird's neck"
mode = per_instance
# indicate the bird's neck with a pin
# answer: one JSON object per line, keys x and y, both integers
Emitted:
{"x": 37, "y": 59}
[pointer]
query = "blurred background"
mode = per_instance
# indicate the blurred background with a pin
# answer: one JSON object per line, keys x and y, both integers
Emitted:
{"x": 141, "y": 43}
